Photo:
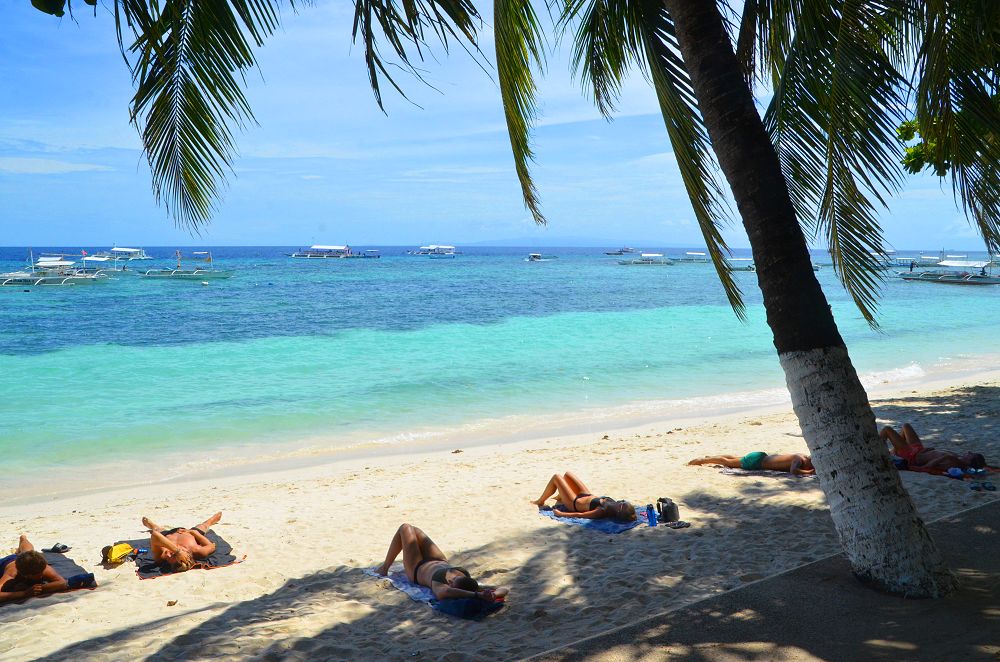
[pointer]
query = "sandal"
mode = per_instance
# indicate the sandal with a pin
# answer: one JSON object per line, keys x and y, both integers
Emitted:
{"x": 677, "y": 525}
{"x": 58, "y": 548}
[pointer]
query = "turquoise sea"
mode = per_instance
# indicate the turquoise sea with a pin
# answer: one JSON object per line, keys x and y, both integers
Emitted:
{"x": 329, "y": 354}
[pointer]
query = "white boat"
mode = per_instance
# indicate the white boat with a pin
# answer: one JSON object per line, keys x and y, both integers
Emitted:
{"x": 51, "y": 270}
{"x": 538, "y": 257}
{"x": 624, "y": 250}
{"x": 648, "y": 259}
{"x": 320, "y": 252}
{"x": 120, "y": 253}
{"x": 693, "y": 256}
{"x": 369, "y": 254}
{"x": 741, "y": 264}
{"x": 197, "y": 273}
{"x": 436, "y": 251}
{"x": 955, "y": 272}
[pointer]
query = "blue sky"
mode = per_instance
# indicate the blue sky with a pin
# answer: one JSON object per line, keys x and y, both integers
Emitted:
{"x": 326, "y": 166}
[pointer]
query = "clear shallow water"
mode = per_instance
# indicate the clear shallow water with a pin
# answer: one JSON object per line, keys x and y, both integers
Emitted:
{"x": 404, "y": 347}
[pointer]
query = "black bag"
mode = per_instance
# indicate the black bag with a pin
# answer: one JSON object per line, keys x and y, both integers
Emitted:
{"x": 667, "y": 509}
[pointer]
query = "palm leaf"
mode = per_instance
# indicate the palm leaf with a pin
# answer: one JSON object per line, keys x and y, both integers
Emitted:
{"x": 833, "y": 118}
{"x": 519, "y": 47}
{"x": 187, "y": 59}
{"x": 612, "y": 37}
{"x": 406, "y": 25}
{"x": 957, "y": 102}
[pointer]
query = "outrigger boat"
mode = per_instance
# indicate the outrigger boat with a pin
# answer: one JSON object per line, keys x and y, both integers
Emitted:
{"x": 538, "y": 257}
{"x": 198, "y": 273}
{"x": 624, "y": 250}
{"x": 648, "y": 259}
{"x": 124, "y": 254}
{"x": 51, "y": 270}
{"x": 319, "y": 252}
{"x": 741, "y": 264}
{"x": 955, "y": 272}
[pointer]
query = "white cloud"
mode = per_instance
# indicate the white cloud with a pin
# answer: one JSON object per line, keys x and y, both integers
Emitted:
{"x": 28, "y": 166}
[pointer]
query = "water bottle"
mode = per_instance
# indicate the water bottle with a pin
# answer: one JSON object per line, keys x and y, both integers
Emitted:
{"x": 650, "y": 514}
{"x": 955, "y": 472}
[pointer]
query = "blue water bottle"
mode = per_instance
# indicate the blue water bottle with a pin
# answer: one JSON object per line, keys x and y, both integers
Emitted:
{"x": 650, "y": 514}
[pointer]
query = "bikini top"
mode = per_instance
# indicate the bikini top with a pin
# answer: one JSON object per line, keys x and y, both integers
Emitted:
{"x": 440, "y": 575}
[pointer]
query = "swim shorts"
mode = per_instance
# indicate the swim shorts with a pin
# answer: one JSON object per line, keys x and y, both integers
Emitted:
{"x": 753, "y": 461}
{"x": 7, "y": 560}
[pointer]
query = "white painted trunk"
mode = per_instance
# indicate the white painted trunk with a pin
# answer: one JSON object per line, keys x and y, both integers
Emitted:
{"x": 882, "y": 535}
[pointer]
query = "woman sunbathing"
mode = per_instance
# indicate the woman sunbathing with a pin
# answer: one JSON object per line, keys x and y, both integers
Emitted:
{"x": 793, "y": 463}
{"x": 426, "y": 564}
{"x": 27, "y": 574}
{"x": 909, "y": 447}
{"x": 179, "y": 548}
{"x": 578, "y": 501}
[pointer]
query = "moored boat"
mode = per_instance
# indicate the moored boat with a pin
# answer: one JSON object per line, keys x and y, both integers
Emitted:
{"x": 321, "y": 252}
{"x": 197, "y": 273}
{"x": 648, "y": 259}
{"x": 955, "y": 272}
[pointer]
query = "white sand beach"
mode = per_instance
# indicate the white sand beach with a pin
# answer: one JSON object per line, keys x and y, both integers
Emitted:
{"x": 308, "y": 532}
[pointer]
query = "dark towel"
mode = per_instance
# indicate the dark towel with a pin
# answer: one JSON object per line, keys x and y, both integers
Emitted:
{"x": 69, "y": 570}
{"x": 147, "y": 568}
{"x": 65, "y": 566}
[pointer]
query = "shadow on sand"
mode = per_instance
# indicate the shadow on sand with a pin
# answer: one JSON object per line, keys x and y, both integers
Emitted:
{"x": 583, "y": 583}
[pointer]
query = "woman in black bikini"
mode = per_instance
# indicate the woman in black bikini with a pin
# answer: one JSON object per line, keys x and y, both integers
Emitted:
{"x": 578, "y": 501}
{"x": 426, "y": 564}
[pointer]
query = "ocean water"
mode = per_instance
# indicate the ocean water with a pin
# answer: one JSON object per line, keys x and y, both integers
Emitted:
{"x": 329, "y": 354}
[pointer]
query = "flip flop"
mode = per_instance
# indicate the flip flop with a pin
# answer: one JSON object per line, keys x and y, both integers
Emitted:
{"x": 989, "y": 487}
{"x": 677, "y": 525}
{"x": 58, "y": 548}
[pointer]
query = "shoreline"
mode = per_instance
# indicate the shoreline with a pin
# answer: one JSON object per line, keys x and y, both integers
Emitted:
{"x": 260, "y": 459}
{"x": 309, "y": 531}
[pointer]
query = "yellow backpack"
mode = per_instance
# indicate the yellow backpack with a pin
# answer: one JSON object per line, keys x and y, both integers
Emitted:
{"x": 117, "y": 553}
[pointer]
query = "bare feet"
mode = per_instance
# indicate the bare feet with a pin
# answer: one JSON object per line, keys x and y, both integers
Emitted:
{"x": 150, "y": 524}
{"x": 699, "y": 460}
{"x": 538, "y": 502}
{"x": 382, "y": 570}
{"x": 214, "y": 519}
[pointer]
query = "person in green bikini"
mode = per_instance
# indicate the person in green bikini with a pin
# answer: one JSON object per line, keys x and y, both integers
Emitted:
{"x": 794, "y": 463}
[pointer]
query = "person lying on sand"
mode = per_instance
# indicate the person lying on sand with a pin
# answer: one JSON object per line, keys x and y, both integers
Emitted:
{"x": 27, "y": 574}
{"x": 426, "y": 564}
{"x": 909, "y": 447}
{"x": 179, "y": 548}
{"x": 793, "y": 463}
{"x": 578, "y": 501}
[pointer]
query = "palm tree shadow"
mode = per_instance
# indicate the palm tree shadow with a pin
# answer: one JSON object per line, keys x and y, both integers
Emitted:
{"x": 575, "y": 583}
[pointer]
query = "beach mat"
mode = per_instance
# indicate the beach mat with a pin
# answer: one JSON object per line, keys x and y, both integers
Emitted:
{"x": 470, "y": 609}
{"x": 729, "y": 471}
{"x": 606, "y": 525}
{"x": 68, "y": 569}
{"x": 147, "y": 568}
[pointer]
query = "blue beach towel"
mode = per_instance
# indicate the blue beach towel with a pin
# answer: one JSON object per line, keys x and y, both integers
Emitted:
{"x": 471, "y": 608}
{"x": 606, "y": 525}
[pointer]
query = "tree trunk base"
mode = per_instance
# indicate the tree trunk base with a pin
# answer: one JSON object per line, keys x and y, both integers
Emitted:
{"x": 883, "y": 536}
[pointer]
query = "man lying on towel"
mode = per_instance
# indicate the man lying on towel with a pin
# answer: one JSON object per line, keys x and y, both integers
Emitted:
{"x": 27, "y": 574}
{"x": 180, "y": 548}
{"x": 793, "y": 463}
{"x": 908, "y": 446}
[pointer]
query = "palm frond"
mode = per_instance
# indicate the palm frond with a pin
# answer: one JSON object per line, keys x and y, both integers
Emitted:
{"x": 614, "y": 36}
{"x": 406, "y": 25}
{"x": 833, "y": 119}
{"x": 519, "y": 47}
{"x": 958, "y": 102}
{"x": 689, "y": 139}
{"x": 187, "y": 59}
{"x": 764, "y": 37}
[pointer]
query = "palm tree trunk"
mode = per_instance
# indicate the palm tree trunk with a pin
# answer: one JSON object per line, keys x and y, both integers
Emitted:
{"x": 885, "y": 541}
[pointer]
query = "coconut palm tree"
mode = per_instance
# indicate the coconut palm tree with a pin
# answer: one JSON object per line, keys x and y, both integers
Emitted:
{"x": 821, "y": 160}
